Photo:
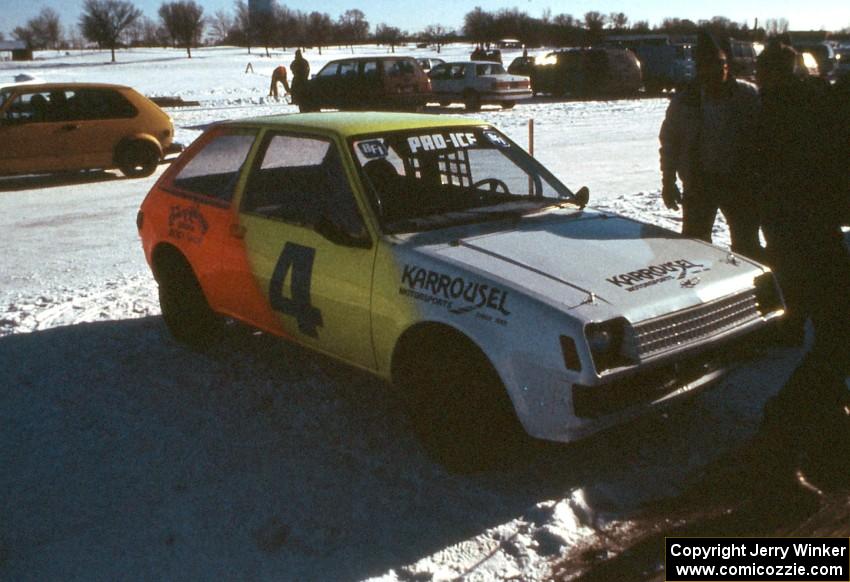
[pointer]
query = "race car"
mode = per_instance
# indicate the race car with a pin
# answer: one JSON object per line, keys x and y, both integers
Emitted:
{"x": 435, "y": 253}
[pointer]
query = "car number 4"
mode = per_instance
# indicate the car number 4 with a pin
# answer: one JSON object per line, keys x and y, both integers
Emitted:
{"x": 300, "y": 260}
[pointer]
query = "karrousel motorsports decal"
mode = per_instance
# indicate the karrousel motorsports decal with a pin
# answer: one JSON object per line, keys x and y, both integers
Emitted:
{"x": 660, "y": 273}
{"x": 458, "y": 295}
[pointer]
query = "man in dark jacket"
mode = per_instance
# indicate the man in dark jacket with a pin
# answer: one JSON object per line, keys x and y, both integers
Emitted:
{"x": 300, "y": 69}
{"x": 707, "y": 140}
{"x": 803, "y": 141}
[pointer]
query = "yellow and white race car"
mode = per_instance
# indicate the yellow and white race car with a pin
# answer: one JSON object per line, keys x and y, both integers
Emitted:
{"x": 437, "y": 254}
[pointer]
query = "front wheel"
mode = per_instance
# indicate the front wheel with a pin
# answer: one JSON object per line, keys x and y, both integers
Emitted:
{"x": 459, "y": 407}
{"x": 138, "y": 159}
{"x": 508, "y": 104}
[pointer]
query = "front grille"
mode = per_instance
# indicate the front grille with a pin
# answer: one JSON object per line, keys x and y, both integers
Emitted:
{"x": 694, "y": 324}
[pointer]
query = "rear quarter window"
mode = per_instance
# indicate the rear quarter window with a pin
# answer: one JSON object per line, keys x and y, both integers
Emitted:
{"x": 214, "y": 170}
{"x": 89, "y": 104}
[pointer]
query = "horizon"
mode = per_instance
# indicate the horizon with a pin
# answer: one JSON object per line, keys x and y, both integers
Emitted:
{"x": 831, "y": 15}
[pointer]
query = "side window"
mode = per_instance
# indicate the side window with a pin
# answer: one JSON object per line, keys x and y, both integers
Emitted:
{"x": 28, "y": 108}
{"x": 370, "y": 70}
{"x": 329, "y": 70}
{"x": 348, "y": 69}
{"x": 301, "y": 180}
{"x": 214, "y": 170}
{"x": 440, "y": 72}
{"x": 99, "y": 104}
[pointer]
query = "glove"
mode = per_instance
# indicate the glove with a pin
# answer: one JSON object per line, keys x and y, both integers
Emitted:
{"x": 671, "y": 195}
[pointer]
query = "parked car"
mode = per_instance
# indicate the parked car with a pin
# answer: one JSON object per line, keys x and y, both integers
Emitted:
{"x": 823, "y": 53}
{"x": 742, "y": 60}
{"x": 428, "y": 63}
{"x": 436, "y": 254}
{"x": 475, "y": 83}
{"x": 666, "y": 62}
{"x": 394, "y": 82}
{"x": 588, "y": 72}
{"x": 79, "y": 126}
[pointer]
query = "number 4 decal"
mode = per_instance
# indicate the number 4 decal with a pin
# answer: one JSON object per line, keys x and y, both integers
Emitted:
{"x": 300, "y": 260}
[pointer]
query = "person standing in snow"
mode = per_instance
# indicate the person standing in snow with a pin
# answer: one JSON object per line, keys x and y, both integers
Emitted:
{"x": 707, "y": 140}
{"x": 278, "y": 76}
{"x": 805, "y": 199}
{"x": 300, "y": 73}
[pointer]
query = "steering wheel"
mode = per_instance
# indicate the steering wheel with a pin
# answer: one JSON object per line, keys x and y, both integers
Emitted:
{"x": 494, "y": 183}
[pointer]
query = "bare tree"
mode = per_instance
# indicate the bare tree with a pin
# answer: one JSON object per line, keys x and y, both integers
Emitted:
{"x": 435, "y": 34}
{"x": 184, "y": 21}
{"x": 776, "y": 26}
{"x": 104, "y": 21}
{"x": 43, "y": 31}
{"x": 221, "y": 26}
{"x": 618, "y": 20}
{"x": 320, "y": 28}
{"x": 478, "y": 26}
{"x": 352, "y": 27}
{"x": 594, "y": 22}
{"x": 388, "y": 35}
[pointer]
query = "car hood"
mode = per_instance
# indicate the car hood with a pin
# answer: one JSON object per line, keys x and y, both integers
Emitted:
{"x": 572, "y": 259}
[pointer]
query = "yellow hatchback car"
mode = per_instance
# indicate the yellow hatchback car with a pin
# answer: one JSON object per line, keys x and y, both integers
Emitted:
{"x": 79, "y": 126}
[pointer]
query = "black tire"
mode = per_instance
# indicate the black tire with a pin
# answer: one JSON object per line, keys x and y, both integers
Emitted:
{"x": 138, "y": 159}
{"x": 508, "y": 104}
{"x": 472, "y": 101}
{"x": 185, "y": 309}
{"x": 458, "y": 405}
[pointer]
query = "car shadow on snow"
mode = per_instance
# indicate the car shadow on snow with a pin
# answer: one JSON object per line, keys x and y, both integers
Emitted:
{"x": 38, "y": 181}
{"x": 126, "y": 452}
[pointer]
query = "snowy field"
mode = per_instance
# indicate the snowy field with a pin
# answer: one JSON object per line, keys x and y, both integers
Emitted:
{"x": 124, "y": 455}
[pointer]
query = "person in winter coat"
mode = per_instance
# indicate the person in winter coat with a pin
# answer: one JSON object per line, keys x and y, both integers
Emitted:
{"x": 300, "y": 73}
{"x": 707, "y": 140}
{"x": 803, "y": 153}
{"x": 278, "y": 76}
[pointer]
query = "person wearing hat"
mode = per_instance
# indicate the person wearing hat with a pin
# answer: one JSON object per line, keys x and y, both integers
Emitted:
{"x": 708, "y": 141}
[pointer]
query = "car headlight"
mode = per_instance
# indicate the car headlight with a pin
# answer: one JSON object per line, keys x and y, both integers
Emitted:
{"x": 606, "y": 343}
{"x": 768, "y": 295}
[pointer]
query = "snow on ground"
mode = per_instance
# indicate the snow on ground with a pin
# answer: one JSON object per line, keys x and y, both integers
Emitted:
{"x": 125, "y": 455}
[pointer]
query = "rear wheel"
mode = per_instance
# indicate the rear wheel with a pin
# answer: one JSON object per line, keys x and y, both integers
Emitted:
{"x": 138, "y": 159}
{"x": 472, "y": 101}
{"x": 508, "y": 104}
{"x": 457, "y": 404}
{"x": 185, "y": 309}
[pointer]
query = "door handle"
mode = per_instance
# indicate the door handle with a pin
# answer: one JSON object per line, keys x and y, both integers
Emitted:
{"x": 238, "y": 231}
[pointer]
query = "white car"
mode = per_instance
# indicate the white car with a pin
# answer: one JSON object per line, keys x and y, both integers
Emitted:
{"x": 474, "y": 83}
{"x": 435, "y": 253}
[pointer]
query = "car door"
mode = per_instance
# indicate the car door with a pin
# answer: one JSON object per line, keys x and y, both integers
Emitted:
{"x": 97, "y": 120}
{"x": 307, "y": 245}
{"x": 202, "y": 221}
{"x": 33, "y": 142}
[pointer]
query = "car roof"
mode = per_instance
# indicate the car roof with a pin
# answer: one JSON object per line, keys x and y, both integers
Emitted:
{"x": 54, "y": 86}
{"x": 346, "y": 124}
{"x": 374, "y": 58}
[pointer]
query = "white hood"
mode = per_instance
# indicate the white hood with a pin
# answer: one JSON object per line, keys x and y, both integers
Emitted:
{"x": 638, "y": 269}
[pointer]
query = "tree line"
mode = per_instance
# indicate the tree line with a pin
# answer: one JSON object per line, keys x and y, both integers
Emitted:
{"x": 182, "y": 23}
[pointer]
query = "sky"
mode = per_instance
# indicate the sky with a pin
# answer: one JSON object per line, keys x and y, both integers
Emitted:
{"x": 410, "y": 16}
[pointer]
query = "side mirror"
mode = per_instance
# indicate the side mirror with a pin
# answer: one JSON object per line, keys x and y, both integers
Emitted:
{"x": 337, "y": 235}
{"x": 582, "y": 197}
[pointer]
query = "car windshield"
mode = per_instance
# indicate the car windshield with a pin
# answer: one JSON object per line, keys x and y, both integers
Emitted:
{"x": 424, "y": 179}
